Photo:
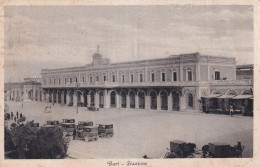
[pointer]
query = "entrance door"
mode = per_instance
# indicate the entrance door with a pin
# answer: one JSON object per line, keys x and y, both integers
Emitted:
{"x": 175, "y": 101}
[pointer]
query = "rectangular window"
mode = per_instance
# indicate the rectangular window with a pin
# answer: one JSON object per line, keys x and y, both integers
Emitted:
{"x": 163, "y": 77}
{"x": 132, "y": 77}
{"x": 217, "y": 75}
{"x": 114, "y": 78}
{"x": 83, "y": 79}
{"x": 54, "y": 81}
{"x": 141, "y": 77}
{"x": 174, "y": 76}
{"x": 65, "y": 80}
{"x": 105, "y": 78}
{"x": 50, "y": 81}
{"x": 189, "y": 76}
{"x": 59, "y": 81}
{"x": 90, "y": 79}
{"x": 123, "y": 78}
{"x": 152, "y": 77}
{"x": 97, "y": 78}
{"x": 76, "y": 80}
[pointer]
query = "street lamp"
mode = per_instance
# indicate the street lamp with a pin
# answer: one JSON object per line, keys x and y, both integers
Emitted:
{"x": 77, "y": 85}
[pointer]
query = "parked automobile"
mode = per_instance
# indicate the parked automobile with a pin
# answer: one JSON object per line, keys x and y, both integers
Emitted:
{"x": 52, "y": 124}
{"x": 88, "y": 133}
{"x": 34, "y": 125}
{"x": 80, "y": 104}
{"x": 81, "y": 124}
{"x": 181, "y": 149}
{"x": 105, "y": 130}
{"x": 68, "y": 126}
{"x": 91, "y": 108}
{"x": 222, "y": 150}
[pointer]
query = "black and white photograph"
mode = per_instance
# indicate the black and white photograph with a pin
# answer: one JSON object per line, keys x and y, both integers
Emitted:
{"x": 128, "y": 82}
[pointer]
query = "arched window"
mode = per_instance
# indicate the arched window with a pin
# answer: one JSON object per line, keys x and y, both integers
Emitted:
{"x": 190, "y": 100}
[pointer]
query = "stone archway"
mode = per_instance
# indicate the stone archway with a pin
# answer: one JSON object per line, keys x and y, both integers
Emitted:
{"x": 164, "y": 100}
{"x": 141, "y": 99}
{"x": 132, "y": 99}
{"x": 92, "y": 98}
{"x": 123, "y": 99}
{"x": 113, "y": 99}
{"x": 175, "y": 101}
{"x": 153, "y": 96}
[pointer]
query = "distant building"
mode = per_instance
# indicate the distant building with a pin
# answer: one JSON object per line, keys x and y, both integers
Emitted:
{"x": 245, "y": 72}
{"x": 23, "y": 91}
{"x": 33, "y": 78}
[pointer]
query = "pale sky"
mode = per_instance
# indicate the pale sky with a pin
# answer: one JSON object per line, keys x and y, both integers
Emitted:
{"x": 57, "y": 37}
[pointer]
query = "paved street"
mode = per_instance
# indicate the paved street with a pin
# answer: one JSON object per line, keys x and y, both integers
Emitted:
{"x": 139, "y": 132}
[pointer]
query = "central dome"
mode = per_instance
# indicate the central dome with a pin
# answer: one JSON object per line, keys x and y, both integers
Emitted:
{"x": 97, "y": 55}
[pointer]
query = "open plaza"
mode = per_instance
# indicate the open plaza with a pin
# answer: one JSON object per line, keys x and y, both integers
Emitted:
{"x": 143, "y": 131}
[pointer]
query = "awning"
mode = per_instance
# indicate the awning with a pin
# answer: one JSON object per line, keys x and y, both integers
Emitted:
{"x": 252, "y": 98}
{"x": 243, "y": 97}
{"x": 226, "y": 97}
{"x": 211, "y": 96}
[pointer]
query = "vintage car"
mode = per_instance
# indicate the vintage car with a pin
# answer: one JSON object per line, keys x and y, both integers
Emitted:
{"x": 222, "y": 150}
{"x": 81, "y": 124}
{"x": 52, "y": 124}
{"x": 91, "y": 108}
{"x": 181, "y": 149}
{"x": 88, "y": 133}
{"x": 68, "y": 125}
{"x": 105, "y": 130}
{"x": 34, "y": 125}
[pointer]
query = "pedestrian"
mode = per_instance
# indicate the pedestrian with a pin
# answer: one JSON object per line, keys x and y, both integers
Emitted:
{"x": 17, "y": 114}
{"x": 74, "y": 134}
{"x": 21, "y": 115}
{"x": 14, "y": 118}
{"x": 231, "y": 110}
{"x": 12, "y": 115}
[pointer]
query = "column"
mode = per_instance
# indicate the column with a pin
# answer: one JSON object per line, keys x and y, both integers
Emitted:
{"x": 52, "y": 97}
{"x": 106, "y": 100}
{"x": 127, "y": 101}
{"x": 75, "y": 99}
{"x": 47, "y": 98}
{"x": 182, "y": 102}
{"x": 88, "y": 100}
{"x": 136, "y": 102}
{"x": 158, "y": 102}
{"x": 67, "y": 98}
{"x": 147, "y": 102}
{"x": 181, "y": 71}
{"x": 170, "y": 102}
{"x": 97, "y": 100}
{"x": 118, "y": 101}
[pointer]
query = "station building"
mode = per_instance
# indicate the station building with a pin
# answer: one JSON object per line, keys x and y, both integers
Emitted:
{"x": 176, "y": 82}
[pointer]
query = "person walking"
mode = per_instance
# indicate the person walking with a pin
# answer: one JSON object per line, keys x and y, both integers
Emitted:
{"x": 231, "y": 110}
{"x": 21, "y": 115}
{"x": 14, "y": 118}
{"x": 74, "y": 134}
{"x": 17, "y": 114}
{"x": 12, "y": 115}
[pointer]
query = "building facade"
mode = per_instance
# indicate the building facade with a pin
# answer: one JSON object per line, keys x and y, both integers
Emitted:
{"x": 173, "y": 83}
{"x": 23, "y": 91}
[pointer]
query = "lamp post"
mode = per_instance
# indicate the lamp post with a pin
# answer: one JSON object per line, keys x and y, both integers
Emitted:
{"x": 77, "y": 85}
